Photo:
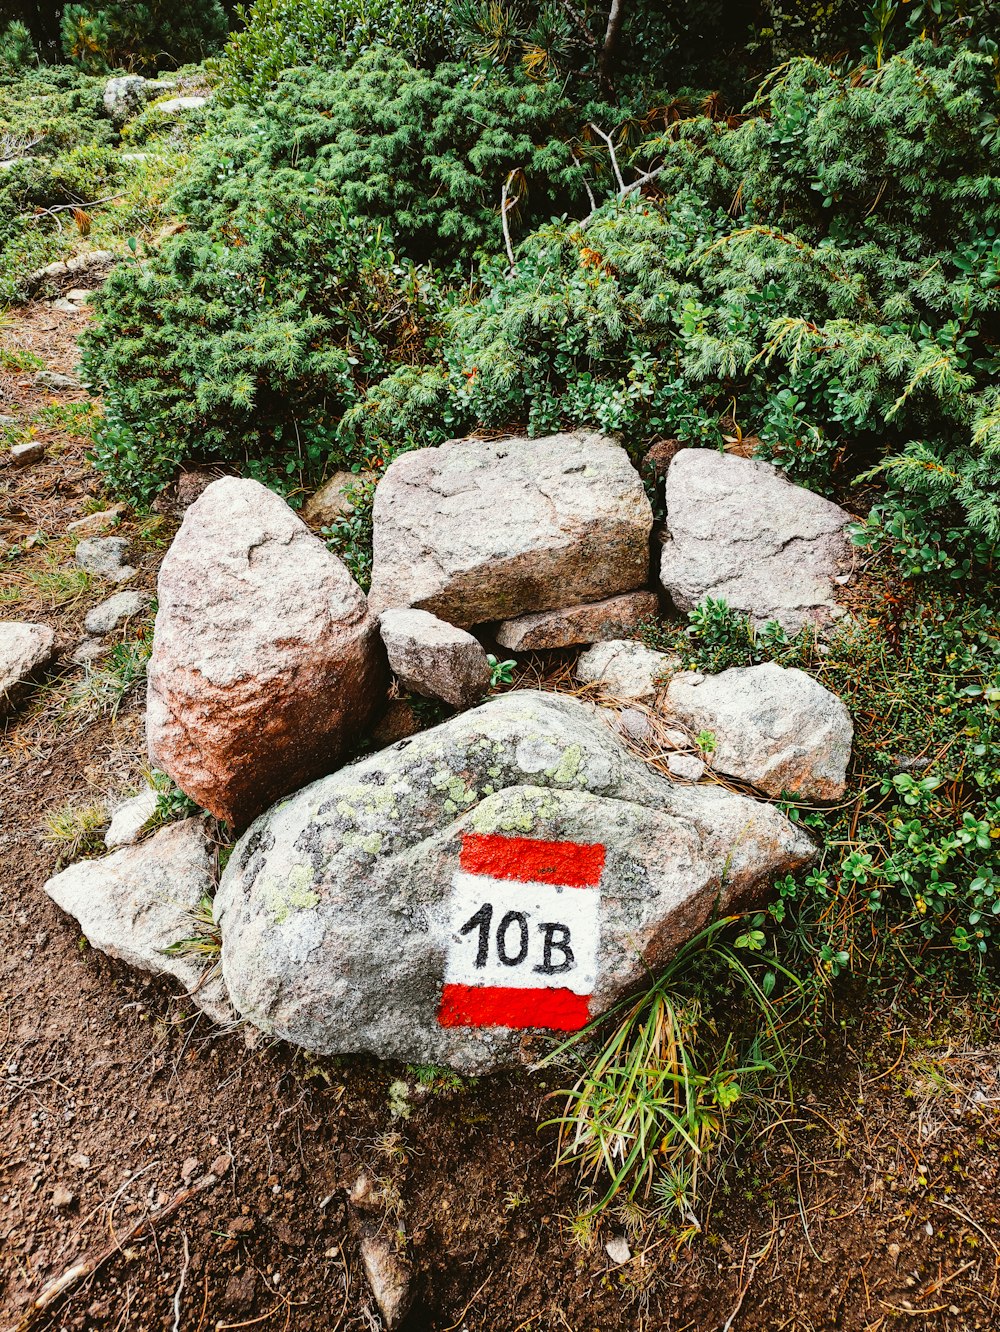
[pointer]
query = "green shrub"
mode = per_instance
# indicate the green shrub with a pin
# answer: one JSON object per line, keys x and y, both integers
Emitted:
{"x": 427, "y": 152}
{"x": 17, "y": 50}
{"x": 246, "y": 343}
{"x": 98, "y": 35}
{"x": 276, "y": 35}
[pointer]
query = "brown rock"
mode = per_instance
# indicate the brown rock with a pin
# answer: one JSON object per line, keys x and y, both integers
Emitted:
{"x": 595, "y": 622}
{"x": 266, "y": 665}
{"x": 331, "y": 501}
{"x": 398, "y": 722}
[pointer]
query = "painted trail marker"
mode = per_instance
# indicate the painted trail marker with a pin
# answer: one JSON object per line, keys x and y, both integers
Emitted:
{"x": 525, "y": 934}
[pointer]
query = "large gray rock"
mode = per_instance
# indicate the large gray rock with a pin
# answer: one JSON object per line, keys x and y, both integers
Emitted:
{"x": 594, "y": 622}
{"x": 347, "y": 926}
{"x": 25, "y": 648}
{"x": 481, "y": 530}
{"x": 266, "y": 665}
{"x": 136, "y": 904}
{"x": 774, "y": 727}
{"x": 435, "y": 659}
{"x": 738, "y": 530}
{"x": 625, "y": 668}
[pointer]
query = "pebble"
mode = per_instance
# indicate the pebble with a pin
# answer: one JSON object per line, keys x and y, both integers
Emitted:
{"x": 130, "y": 818}
{"x": 636, "y": 725}
{"x": 23, "y": 454}
{"x": 107, "y": 616}
{"x": 96, "y": 523}
{"x": 51, "y": 379}
{"x": 87, "y": 651}
{"x": 685, "y": 766}
{"x": 105, "y": 556}
{"x": 617, "y": 1249}
{"x": 62, "y": 1198}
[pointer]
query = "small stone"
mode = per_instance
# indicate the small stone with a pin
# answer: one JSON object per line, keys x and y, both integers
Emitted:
{"x": 51, "y": 379}
{"x": 25, "y": 648}
{"x": 87, "y": 651}
{"x": 96, "y": 523}
{"x": 62, "y": 1198}
{"x": 593, "y": 622}
{"x": 189, "y": 1169}
{"x": 617, "y": 1249}
{"x": 105, "y": 556}
{"x": 220, "y": 1166}
{"x": 79, "y": 294}
{"x": 332, "y": 501}
{"x": 624, "y": 668}
{"x": 80, "y": 1161}
{"x": 64, "y": 305}
{"x": 106, "y": 617}
{"x": 21, "y": 455}
{"x": 130, "y": 819}
{"x": 241, "y": 1291}
{"x": 636, "y": 725}
{"x": 398, "y": 722}
{"x": 676, "y": 738}
{"x": 686, "y": 766}
{"x": 125, "y": 96}
{"x": 435, "y": 659}
{"x": 240, "y": 1225}
{"x": 390, "y": 1276}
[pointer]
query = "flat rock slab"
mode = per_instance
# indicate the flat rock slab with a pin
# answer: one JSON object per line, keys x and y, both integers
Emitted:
{"x": 22, "y": 455}
{"x": 511, "y": 870}
{"x": 435, "y": 659}
{"x": 738, "y": 530}
{"x": 25, "y": 648}
{"x": 594, "y": 622}
{"x": 266, "y": 665}
{"x": 137, "y": 903}
{"x": 774, "y": 727}
{"x": 108, "y": 615}
{"x": 480, "y": 530}
{"x": 625, "y": 668}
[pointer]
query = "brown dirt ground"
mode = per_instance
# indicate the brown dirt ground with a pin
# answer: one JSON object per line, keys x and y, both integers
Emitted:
{"x": 872, "y": 1206}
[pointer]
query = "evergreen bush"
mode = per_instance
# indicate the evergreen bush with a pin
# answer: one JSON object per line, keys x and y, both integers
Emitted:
{"x": 98, "y": 35}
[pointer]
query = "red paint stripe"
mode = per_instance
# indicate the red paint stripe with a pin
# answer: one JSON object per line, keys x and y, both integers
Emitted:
{"x": 497, "y": 1006}
{"x": 569, "y": 864}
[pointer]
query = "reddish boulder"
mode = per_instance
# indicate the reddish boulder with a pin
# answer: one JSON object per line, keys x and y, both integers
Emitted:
{"x": 266, "y": 665}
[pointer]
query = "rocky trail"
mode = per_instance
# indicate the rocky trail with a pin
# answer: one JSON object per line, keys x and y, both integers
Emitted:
{"x": 159, "y": 1170}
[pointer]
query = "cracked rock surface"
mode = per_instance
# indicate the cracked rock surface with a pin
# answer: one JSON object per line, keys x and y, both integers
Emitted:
{"x": 480, "y": 530}
{"x": 266, "y": 665}
{"x": 738, "y": 530}
{"x": 341, "y": 916}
